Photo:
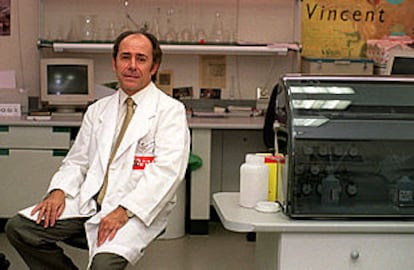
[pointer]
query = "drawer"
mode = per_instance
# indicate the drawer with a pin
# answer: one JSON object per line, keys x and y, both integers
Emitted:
{"x": 34, "y": 137}
{"x": 346, "y": 251}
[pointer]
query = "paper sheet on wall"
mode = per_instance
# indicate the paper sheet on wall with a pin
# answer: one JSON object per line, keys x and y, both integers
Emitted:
{"x": 7, "y": 79}
{"x": 212, "y": 71}
{"x": 5, "y": 21}
{"x": 340, "y": 29}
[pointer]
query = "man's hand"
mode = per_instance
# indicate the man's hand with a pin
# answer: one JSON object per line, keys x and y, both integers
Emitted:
{"x": 110, "y": 224}
{"x": 50, "y": 208}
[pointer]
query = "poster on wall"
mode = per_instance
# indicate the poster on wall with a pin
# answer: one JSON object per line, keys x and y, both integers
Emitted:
{"x": 340, "y": 29}
{"x": 4, "y": 17}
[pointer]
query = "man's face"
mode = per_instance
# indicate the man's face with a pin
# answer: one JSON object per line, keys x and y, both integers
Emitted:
{"x": 133, "y": 65}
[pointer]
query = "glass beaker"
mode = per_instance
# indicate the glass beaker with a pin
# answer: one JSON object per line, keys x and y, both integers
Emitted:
{"x": 111, "y": 32}
{"x": 186, "y": 35}
{"x": 87, "y": 27}
{"x": 73, "y": 34}
{"x": 217, "y": 31}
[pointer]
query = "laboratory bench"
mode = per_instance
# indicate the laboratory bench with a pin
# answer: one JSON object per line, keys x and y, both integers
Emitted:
{"x": 32, "y": 150}
{"x": 284, "y": 243}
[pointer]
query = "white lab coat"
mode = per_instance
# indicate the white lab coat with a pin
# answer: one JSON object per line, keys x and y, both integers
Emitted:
{"x": 159, "y": 129}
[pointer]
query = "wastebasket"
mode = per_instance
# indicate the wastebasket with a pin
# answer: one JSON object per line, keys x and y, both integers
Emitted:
{"x": 176, "y": 220}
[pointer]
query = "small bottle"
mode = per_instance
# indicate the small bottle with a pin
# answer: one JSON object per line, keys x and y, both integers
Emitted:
{"x": 24, "y": 100}
{"x": 254, "y": 175}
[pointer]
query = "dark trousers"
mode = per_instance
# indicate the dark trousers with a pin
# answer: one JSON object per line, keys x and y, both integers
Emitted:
{"x": 4, "y": 263}
{"x": 37, "y": 245}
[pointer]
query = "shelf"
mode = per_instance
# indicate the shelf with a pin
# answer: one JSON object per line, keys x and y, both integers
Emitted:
{"x": 271, "y": 49}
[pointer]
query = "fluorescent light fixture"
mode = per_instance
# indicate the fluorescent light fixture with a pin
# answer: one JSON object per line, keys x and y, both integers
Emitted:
{"x": 341, "y": 90}
{"x": 318, "y": 104}
{"x": 310, "y": 122}
{"x": 336, "y": 90}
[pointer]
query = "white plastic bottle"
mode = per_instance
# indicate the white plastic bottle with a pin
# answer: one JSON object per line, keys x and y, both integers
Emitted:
{"x": 254, "y": 175}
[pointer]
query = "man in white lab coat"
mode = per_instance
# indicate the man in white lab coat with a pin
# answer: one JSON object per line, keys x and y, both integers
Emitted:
{"x": 142, "y": 177}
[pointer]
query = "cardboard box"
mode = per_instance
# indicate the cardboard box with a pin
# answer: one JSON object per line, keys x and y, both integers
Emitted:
{"x": 322, "y": 66}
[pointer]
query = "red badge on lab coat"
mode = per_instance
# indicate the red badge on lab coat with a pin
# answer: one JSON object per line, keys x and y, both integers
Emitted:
{"x": 141, "y": 161}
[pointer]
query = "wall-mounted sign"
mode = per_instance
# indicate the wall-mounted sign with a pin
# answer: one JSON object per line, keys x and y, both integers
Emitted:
{"x": 10, "y": 110}
{"x": 340, "y": 29}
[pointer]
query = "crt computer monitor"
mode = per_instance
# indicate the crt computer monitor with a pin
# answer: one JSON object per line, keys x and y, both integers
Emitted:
{"x": 401, "y": 62}
{"x": 66, "y": 84}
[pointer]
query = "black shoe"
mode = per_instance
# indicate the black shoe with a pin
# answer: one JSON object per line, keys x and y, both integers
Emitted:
{"x": 4, "y": 263}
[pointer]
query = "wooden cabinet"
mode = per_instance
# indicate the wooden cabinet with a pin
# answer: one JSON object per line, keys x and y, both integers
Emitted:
{"x": 28, "y": 158}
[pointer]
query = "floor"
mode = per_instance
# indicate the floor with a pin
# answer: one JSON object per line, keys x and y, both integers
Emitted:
{"x": 220, "y": 250}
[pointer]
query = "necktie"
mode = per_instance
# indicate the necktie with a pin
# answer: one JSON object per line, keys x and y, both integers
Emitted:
{"x": 127, "y": 119}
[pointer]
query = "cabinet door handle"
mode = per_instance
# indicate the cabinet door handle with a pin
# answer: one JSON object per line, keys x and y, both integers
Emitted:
{"x": 4, "y": 128}
{"x": 354, "y": 255}
{"x": 60, "y": 152}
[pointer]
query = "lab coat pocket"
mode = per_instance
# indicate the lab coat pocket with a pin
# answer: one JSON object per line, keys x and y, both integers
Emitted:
{"x": 73, "y": 208}
{"x": 144, "y": 153}
{"x": 145, "y": 146}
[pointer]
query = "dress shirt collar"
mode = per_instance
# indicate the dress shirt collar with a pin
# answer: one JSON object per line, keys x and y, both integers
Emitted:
{"x": 137, "y": 97}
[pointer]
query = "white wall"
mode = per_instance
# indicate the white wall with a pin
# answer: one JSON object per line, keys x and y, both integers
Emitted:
{"x": 19, "y": 50}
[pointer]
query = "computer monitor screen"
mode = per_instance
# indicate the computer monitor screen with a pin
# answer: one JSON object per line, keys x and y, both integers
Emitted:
{"x": 401, "y": 62}
{"x": 67, "y": 84}
{"x": 67, "y": 79}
